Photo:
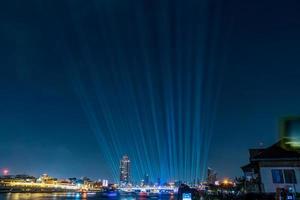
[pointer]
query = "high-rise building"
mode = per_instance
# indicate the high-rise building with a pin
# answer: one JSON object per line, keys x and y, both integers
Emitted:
{"x": 211, "y": 176}
{"x": 158, "y": 181}
{"x": 146, "y": 179}
{"x": 124, "y": 170}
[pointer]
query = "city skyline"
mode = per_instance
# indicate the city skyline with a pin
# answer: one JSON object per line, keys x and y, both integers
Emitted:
{"x": 178, "y": 86}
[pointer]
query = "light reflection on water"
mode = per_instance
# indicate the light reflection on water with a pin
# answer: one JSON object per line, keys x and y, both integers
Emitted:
{"x": 64, "y": 196}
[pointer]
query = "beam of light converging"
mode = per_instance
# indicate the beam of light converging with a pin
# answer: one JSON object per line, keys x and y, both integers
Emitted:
{"x": 148, "y": 77}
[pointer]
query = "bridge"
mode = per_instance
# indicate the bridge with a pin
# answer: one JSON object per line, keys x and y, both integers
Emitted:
{"x": 151, "y": 189}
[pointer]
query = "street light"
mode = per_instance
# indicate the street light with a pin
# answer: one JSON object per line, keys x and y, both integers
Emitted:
{"x": 5, "y": 172}
{"x": 225, "y": 182}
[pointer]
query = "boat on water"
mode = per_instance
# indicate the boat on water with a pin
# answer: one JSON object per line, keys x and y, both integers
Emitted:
{"x": 142, "y": 194}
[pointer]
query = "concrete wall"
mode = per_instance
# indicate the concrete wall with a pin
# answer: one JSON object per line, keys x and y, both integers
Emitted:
{"x": 267, "y": 181}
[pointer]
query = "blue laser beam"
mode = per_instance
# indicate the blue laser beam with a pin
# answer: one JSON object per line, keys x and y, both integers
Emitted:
{"x": 150, "y": 88}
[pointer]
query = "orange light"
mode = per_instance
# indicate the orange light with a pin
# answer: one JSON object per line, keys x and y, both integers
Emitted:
{"x": 226, "y": 182}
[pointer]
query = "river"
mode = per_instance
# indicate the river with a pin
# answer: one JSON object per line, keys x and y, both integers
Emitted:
{"x": 62, "y": 196}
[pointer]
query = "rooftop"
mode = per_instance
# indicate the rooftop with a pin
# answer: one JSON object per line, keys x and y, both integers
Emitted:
{"x": 277, "y": 151}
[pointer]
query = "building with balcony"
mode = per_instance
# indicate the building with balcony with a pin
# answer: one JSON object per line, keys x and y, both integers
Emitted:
{"x": 272, "y": 168}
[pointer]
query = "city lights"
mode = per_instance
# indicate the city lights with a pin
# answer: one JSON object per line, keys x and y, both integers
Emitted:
{"x": 225, "y": 181}
{"x": 149, "y": 100}
{"x": 5, "y": 172}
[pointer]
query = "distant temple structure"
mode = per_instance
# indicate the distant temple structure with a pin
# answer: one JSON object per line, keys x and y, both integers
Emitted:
{"x": 273, "y": 168}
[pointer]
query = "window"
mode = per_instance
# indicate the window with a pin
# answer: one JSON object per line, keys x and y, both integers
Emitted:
{"x": 277, "y": 176}
{"x": 284, "y": 176}
{"x": 289, "y": 176}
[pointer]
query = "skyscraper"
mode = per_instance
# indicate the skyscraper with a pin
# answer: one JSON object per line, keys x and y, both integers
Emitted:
{"x": 124, "y": 170}
{"x": 146, "y": 179}
{"x": 211, "y": 176}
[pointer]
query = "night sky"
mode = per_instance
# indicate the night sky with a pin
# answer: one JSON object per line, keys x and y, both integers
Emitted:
{"x": 176, "y": 85}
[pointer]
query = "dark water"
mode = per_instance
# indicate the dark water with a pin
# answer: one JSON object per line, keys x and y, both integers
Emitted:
{"x": 61, "y": 196}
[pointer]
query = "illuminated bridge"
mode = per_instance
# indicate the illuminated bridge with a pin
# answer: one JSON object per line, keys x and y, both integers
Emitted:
{"x": 151, "y": 189}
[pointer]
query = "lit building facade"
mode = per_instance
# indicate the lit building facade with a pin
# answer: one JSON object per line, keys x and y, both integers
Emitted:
{"x": 211, "y": 176}
{"x": 124, "y": 170}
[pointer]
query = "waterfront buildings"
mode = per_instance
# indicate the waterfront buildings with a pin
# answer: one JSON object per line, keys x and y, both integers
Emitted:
{"x": 273, "y": 168}
{"x": 45, "y": 183}
{"x": 124, "y": 170}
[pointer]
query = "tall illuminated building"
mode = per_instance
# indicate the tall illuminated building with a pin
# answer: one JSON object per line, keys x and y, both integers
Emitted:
{"x": 146, "y": 179}
{"x": 124, "y": 170}
{"x": 211, "y": 176}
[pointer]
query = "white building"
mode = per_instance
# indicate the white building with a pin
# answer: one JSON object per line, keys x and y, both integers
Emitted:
{"x": 272, "y": 168}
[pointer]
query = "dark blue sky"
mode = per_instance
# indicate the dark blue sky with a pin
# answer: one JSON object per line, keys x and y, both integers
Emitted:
{"x": 180, "y": 84}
